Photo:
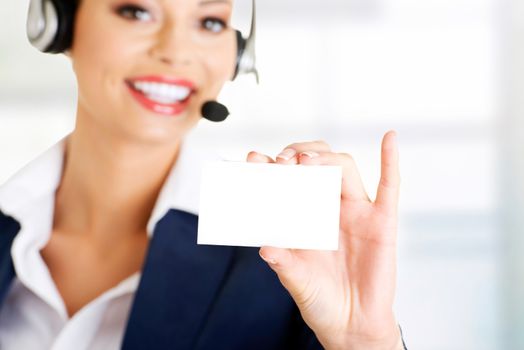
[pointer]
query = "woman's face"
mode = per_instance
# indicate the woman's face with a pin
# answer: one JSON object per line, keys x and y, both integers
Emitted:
{"x": 145, "y": 67}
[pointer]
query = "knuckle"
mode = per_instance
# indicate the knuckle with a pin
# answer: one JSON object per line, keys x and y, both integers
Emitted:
{"x": 294, "y": 145}
{"x": 390, "y": 182}
{"x": 346, "y": 157}
{"x": 321, "y": 143}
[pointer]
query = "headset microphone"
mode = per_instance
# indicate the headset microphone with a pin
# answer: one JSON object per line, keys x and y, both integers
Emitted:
{"x": 246, "y": 64}
{"x": 214, "y": 111}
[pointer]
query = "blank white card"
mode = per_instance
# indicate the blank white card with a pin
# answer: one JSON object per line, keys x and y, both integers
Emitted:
{"x": 254, "y": 204}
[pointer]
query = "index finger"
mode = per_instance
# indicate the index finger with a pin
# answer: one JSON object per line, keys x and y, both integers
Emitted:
{"x": 389, "y": 186}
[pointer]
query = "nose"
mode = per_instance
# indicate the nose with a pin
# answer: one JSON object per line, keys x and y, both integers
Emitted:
{"x": 173, "y": 45}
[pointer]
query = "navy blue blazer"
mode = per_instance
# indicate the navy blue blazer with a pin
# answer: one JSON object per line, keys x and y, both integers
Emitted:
{"x": 198, "y": 297}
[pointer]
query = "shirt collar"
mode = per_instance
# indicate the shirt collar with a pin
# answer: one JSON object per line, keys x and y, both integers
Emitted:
{"x": 41, "y": 177}
{"x": 181, "y": 190}
{"x": 29, "y": 198}
{"x": 36, "y": 180}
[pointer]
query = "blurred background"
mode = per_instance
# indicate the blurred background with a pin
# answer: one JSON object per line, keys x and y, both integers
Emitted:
{"x": 448, "y": 75}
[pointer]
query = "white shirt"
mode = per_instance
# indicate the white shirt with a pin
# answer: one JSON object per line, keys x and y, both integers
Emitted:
{"x": 34, "y": 315}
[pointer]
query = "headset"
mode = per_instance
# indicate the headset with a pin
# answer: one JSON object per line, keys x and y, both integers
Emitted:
{"x": 50, "y": 26}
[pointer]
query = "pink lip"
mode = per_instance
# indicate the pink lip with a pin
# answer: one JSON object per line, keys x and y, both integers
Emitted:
{"x": 154, "y": 106}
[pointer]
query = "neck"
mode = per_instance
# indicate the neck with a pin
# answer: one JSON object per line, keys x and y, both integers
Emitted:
{"x": 110, "y": 184}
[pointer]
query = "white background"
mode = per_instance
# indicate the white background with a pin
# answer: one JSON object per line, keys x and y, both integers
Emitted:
{"x": 347, "y": 71}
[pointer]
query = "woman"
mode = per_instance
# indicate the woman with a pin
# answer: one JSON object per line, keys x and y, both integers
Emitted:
{"x": 96, "y": 253}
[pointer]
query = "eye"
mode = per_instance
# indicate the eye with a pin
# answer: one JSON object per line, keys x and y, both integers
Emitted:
{"x": 214, "y": 25}
{"x": 134, "y": 13}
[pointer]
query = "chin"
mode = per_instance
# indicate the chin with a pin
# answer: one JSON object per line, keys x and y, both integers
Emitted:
{"x": 167, "y": 133}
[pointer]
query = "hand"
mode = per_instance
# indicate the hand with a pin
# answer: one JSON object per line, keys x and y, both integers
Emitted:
{"x": 346, "y": 296}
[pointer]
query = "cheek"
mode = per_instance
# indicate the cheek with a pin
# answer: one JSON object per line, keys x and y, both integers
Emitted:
{"x": 101, "y": 43}
{"x": 99, "y": 60}
{"x": 98, "y": 51}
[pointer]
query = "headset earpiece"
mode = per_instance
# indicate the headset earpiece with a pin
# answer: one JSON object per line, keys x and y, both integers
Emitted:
{"x": 64, "y": 36}
{"x": 50, "y": 24}
{"x": 241, "y": 46}
{"x": 246, "y": 58}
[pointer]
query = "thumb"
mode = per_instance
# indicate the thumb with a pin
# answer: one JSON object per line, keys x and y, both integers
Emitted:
{"x": 277, "y": 258}
{"x": 291, "y": 273}
{"x": 255, "y": 157}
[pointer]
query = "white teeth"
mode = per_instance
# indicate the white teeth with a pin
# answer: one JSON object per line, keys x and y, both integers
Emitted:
{"x": 163, "y": 93}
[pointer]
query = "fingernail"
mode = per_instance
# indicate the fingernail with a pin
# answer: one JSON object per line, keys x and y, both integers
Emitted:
{"x": 309, "y": 154}
{"x": 268, "y": 260}
{"x": 287, "y": 154}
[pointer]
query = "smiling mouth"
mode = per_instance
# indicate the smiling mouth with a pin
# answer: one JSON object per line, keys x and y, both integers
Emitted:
{"x": 160, "y": 95}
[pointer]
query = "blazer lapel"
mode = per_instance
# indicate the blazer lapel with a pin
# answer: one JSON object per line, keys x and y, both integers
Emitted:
{"x": 8, "y": 231}
{"x": 180, "y": 280}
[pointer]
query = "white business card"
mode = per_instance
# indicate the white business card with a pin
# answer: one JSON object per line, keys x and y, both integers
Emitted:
{"x": 260, "y": 204}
